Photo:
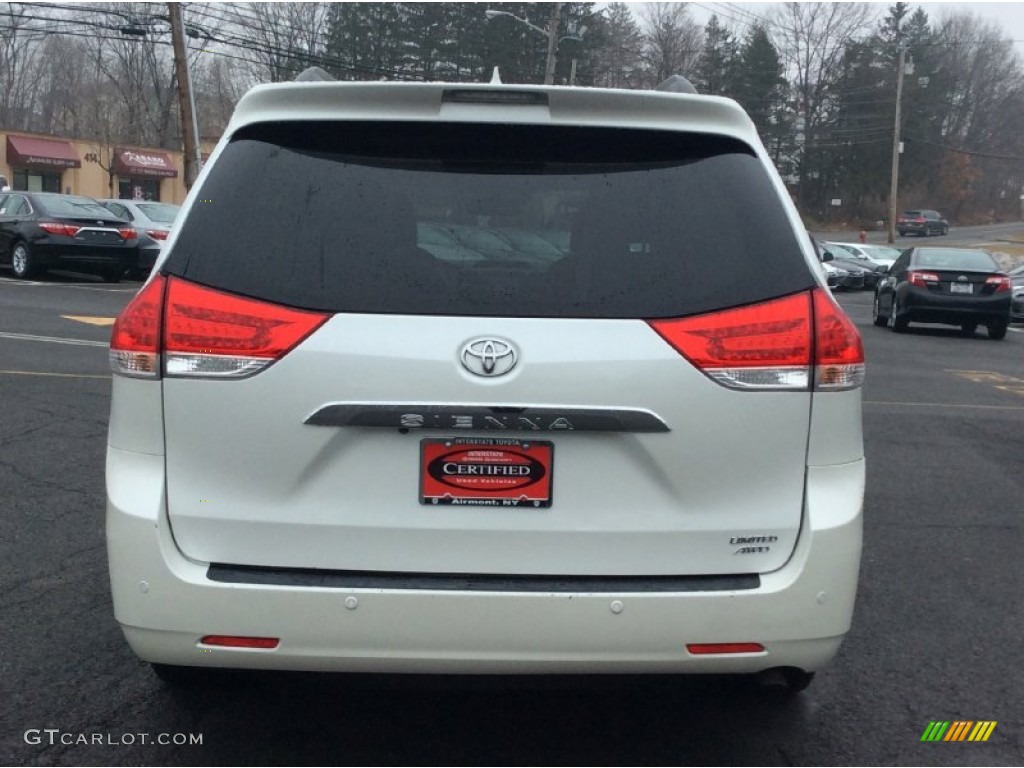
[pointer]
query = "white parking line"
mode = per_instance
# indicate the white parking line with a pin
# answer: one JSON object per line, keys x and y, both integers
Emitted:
{"x": 37, "y": 283}
{"x": 52, "y": 339}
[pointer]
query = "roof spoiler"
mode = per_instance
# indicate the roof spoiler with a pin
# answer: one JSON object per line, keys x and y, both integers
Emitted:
{"x": 676, "y": 84}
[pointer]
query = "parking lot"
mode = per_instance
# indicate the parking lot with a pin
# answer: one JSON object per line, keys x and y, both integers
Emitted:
{"x": 935, "y": 635}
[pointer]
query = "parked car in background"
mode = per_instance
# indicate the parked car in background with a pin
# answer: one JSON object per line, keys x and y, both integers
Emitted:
{"x": 152, "y": 220}
{"x": 831, "y": 275}
{"x": 879, "y": 255}
{"x": 867, "y": 271}
{"x": 332, "y": 449}
{"x": 1017, "y": 302}
{"x": 952, "y": 286}
{"x": 843, "y": 279}
{"x": 40, "y": 230}
{"x": 923, "y": 222}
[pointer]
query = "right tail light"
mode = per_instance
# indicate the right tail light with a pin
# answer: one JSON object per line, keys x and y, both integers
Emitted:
{"x": 794, "y": 343}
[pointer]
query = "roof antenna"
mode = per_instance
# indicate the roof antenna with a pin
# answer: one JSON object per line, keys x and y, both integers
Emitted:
{"x": 676, "y": 84}
{"x": 495, "y": 77}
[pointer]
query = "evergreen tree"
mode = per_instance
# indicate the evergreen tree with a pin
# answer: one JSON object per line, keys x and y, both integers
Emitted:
{"x": 762, "y": 90}
{"x": 619, "y": 61}
{"x": 716, "y": 67}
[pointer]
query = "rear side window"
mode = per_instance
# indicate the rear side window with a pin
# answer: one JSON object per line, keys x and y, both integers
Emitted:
{"x": 498, "y": 220}
{"x": 159, "y": 211}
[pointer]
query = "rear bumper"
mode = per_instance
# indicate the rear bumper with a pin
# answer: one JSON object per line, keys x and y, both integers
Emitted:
{"x": 165, "y": 603}
{"x": 923, "y": 306}
{"x": 56, "y": 254}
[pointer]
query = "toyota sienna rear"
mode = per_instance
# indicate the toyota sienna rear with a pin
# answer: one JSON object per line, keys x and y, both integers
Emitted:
{"x": 616, "y": 428}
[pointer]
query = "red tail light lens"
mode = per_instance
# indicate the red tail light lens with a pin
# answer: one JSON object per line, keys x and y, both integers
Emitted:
{"x": 128, "y": 233}
{"x": 157, "y": 234}
{"x": 211, "y": 333}
{"x": 699, "y": 649}
{"x": 1001, "y": 282}
{"x": 761, "y": 346}
{"x": 921, "y": 279}
{"x": 238, "y": 641}
{"x": 55, "y": 228}
{"x": 773, "y": 333}
{"x": 135, "y": 338}
{"x": 920, "y": 220}
{"x": 202, "y": 332}
{"x": 772, "y": 345}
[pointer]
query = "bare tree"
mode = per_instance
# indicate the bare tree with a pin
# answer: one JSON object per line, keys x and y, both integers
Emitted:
{"x": 619, "y": 63}
{"x": 812, "y": 39}
{"x": 19, "y": 64}
{"x": 673, "y": 41}
{"x": 282, "y": 38}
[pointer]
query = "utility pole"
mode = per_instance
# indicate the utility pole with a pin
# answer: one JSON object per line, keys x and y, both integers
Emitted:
{"x": 549, "y": 70}
{"x": 186, "y": 102}
{"x": 895, "y": 180}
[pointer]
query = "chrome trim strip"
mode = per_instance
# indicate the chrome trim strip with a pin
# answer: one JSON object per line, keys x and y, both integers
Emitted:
{"x": 475, "y": 417}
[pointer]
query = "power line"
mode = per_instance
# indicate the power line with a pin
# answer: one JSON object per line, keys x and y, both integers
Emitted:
{"x": 964, "y": 151}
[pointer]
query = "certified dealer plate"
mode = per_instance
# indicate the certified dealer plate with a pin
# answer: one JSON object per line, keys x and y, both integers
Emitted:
{"x": 492, "y": 472}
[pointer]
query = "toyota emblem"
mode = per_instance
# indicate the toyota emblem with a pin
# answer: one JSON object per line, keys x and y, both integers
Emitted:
{"x": 489, "y": 357}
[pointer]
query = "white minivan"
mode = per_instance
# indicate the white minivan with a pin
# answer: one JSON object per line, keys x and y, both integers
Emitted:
{"x": 637, "y": 451}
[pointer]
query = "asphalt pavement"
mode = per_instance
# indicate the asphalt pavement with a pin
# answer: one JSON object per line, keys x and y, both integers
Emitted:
{"x": 936, "y": 632}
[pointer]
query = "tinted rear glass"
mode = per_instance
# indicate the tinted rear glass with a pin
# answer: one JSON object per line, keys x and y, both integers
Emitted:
{"x": 953, "y": 258}
{"x": 498, "y": 220}
{"x": 159, "y": 211}
{"x": 66, "y": 205}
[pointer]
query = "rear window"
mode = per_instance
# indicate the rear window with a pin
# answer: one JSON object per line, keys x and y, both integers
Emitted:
{"x": 161, "y": 212}
{"x": 67, "y": 205}
{"x": 498, "y": 220}
{"x": 953, "y": 258}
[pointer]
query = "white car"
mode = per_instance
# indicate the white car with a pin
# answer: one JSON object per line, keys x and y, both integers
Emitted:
{"x": 152, "y": 220}
{"x": 879, "y": 254}
{"x": 330, "y": 449}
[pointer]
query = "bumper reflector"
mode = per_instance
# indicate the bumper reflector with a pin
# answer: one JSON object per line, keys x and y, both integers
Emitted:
{"x": 235, "y": 641}
{"x": 699, "y": 649}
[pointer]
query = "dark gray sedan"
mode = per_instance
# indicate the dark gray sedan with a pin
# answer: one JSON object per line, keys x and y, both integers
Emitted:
{"x": 39, "y": 230}
{"x": 952, "y": 286}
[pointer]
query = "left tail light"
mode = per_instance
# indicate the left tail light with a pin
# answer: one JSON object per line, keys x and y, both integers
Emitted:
{"x": 201, "y": 332}
{"x": 922, "y": 279}
{"x": 56, "y": 228}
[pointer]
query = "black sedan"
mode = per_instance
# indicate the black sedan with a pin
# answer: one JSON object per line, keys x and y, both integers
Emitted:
{"x": 39, "y": 230}
{"x": 953, "y": 286}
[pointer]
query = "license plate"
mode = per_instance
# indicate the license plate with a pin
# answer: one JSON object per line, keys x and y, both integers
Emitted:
{"x": 485, "y": 471}
{"x": 961, "y": 288}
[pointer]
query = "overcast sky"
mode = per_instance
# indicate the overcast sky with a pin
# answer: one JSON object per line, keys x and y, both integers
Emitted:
{"x": 1009, "y": 15}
